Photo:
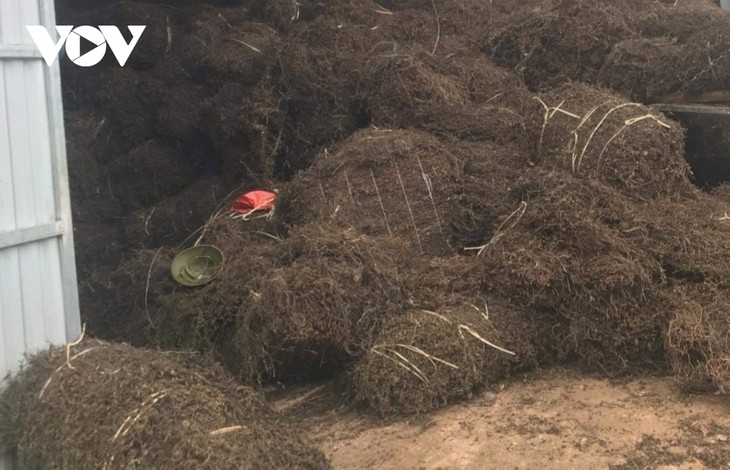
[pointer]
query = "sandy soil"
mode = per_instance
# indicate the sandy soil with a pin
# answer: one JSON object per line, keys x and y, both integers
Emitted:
{"x": 552, "y": 420}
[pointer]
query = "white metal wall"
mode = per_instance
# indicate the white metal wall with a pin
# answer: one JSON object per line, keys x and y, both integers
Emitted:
{"x": 38, "y": 291}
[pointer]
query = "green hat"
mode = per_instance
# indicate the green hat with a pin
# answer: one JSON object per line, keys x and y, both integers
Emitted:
{"x": 197, "y": 265}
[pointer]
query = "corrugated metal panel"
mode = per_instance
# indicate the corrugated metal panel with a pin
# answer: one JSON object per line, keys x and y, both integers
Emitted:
{"x": 38, "y": 292}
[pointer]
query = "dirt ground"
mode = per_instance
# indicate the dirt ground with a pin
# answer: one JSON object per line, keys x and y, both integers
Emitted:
{"x": 551, "y": 420}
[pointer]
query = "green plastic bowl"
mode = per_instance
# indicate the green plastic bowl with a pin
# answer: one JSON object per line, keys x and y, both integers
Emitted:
{"x": 197, "y": 266}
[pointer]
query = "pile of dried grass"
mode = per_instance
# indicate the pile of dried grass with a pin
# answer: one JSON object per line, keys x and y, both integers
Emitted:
{"x": 568, "y": 40}
{"x": 427, "y": 359}
{"x": 300, "y": 307}
{"x": 408, "y": 185}
{"x": 690, "y": 238}
{"x": 320, "y": 99}
{"x": 334, "y": 62}
{"x": 179, "y": 115}
{"x": 722, "y": 192}
{"x": 126, "y": 267}
{"x": 315, "y": 313}
{"x": 684, "y": 50}
{"x": 681, "y": 21}
{"x": 224, "y": 45}
{"x": 385, "y": 183}
{"x": 170, "y": 221}
{"x": 123, "y": 299}
{"x": 131, "y": 100}
{"x": 263, "y": 114}
{"x": 319, "y": 77}
{"x": 89, "y": 145}
{"x": 157, "y": 104}
{"x": 570, "y": 198}
{"x": 595, "y": 134}
{"x": 646, "y": 69}
{"x": 246, "y": 129}
{"x": 462, "y": 24}
{"x": 430, "y": 357}
{"x": 159, "y": 172}
{"x": 101, "y": 405}
{"x": 433, "y": 282}
{"x": 572, "y": 248}
{"x": 284, "y": 14}
{"x": 603, "y": 261}
{"x": 407, "y": 88}
{"x": 698, "y": 338}
{"x": 458, "y": 95}
{"x": 97, "y": 244}
{"x": 202, "y": 318}
{"x": 487, "y": 176}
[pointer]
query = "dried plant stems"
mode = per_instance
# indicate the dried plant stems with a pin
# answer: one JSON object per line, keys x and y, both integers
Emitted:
{"x": 480, "y": 338}
{"x": 380, "y": 200}
{"x": 429, "y": 187}
{"x": 408, "y": 204}
{"x": 512, "y": 219}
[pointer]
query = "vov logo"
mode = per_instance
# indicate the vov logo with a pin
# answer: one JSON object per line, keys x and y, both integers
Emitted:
{"x": 102, "y": 37}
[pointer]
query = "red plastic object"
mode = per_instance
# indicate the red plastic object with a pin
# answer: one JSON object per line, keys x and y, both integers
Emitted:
{"x": 254, "y": 201}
